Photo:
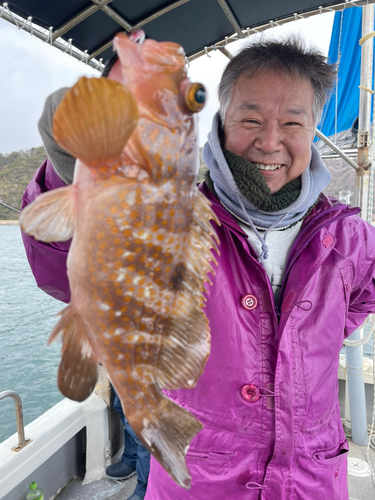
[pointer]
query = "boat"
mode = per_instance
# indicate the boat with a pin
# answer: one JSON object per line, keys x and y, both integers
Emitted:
{"x": 67, "y": 449}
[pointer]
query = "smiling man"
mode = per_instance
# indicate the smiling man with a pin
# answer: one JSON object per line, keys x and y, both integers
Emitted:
{"x": 295, "y": 276}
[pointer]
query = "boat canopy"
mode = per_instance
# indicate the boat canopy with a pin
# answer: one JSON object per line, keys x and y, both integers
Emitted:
{"x": 85, "y": 28}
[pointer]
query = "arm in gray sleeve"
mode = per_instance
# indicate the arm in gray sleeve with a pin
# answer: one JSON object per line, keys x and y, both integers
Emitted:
{"x": 62, "y": 162}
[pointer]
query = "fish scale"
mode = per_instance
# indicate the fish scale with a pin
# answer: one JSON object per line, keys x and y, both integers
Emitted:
{"x": 142, "y": 243}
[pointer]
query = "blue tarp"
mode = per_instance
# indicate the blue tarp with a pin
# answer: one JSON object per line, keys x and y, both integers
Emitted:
{"x": 349, "y": 22}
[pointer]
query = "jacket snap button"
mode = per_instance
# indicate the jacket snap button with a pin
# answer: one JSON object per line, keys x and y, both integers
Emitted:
{"x": 248, "y": 392}
{"x": 249, "y": 302}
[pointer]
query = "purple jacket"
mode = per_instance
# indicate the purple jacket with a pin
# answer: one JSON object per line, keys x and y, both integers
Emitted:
{"x": 47, "y": 261}
{"x": 268, "y": 397}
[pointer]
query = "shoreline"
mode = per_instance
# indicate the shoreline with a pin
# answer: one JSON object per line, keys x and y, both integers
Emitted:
{"x": 9, "y": 223}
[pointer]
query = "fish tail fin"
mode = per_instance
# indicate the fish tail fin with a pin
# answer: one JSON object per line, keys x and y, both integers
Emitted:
{"x": 94, "y": 121}
{"x": 166, "y": 430}
{"x": 51, "y": 216}
{"x": 168, "y": 435}
{"x": 78, "y": 370}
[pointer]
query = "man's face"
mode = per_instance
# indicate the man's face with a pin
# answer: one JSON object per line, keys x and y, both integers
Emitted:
{"x": 270, "y": 122}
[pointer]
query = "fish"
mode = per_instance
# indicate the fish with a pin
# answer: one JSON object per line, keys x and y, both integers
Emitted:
{"x": 143, "y": 242}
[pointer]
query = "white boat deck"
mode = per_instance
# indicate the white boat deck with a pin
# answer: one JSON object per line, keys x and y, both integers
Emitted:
{"x": 360, "y": 488}
{"x": 98, "y": 490}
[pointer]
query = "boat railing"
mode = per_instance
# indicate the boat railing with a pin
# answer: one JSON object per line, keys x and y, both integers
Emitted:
{"x": 22, "y": 442}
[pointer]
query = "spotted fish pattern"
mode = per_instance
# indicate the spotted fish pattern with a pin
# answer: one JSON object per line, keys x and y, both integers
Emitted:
{"x": 143, "y": 243}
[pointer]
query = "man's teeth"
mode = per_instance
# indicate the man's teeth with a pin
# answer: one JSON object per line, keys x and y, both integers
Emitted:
{"x": 267, "y": 167}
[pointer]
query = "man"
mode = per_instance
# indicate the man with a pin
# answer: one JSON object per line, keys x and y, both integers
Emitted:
{"x": 295, "y": 276}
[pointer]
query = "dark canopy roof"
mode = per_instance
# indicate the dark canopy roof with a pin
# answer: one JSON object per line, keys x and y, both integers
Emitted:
{"x": 197, "y": 25}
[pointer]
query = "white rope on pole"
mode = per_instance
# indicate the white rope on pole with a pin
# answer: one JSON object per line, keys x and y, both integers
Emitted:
{"x": 46, "y": 36}
{"x": 363, "y": 340}
{"x": 100, "y": 63}
{"x": 6, "y": 9}
{"x": 25, "y": 23}
{"x": 49, "y": 36}
{"x": 69, "y": 47}
{"x": 84, "y": 57}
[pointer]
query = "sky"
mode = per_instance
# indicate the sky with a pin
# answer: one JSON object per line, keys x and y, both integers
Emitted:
{"x": 31, "y": 70}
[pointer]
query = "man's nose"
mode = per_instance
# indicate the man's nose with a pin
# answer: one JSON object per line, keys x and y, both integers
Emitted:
{"x": 269, "y": 139}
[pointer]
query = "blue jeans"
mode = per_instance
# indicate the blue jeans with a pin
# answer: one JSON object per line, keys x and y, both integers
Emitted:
{"x": 135, "y": 454}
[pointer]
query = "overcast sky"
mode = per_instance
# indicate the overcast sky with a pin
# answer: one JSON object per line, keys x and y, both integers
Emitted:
{"x": 31, "y": 70}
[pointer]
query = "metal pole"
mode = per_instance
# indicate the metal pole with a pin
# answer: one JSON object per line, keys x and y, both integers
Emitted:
{"x": 10, "y": 208}
{"x": 355, "y": 381}
{"x": 336, "y": 149}
{"x": 19, "y": 416}
{"x": 362, "y": 179}
{"x": 356, "y": 390}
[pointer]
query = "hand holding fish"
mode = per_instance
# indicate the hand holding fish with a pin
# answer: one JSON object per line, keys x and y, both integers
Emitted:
{"x": 142, "y": 242}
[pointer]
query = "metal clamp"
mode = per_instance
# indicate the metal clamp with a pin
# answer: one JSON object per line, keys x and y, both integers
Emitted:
{"x": 363, "y": 139}
{"x": 22, "y": 442}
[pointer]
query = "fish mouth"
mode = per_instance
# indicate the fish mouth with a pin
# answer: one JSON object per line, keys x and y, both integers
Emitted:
{"x": 271, "y": 167}
{"x": 137, "y": 36}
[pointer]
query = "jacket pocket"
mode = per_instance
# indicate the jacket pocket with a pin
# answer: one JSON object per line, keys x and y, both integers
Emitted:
{"x": 332, "y": 456}
{"x": 210, "y": 458}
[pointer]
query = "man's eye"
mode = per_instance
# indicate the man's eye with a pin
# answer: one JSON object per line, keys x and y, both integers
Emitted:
{"x": 292, "y": 124}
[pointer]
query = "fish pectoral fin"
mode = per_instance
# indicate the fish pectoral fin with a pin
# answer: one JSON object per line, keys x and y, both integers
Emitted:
{"x": 78, "y": 370}
{"x": 51, "y": 216}
{"x": 94, "y": 121}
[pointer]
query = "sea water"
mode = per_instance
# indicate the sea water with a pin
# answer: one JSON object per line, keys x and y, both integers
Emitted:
{"x": 27, "y": 316}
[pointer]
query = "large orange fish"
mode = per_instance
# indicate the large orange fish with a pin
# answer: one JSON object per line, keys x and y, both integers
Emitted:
{"x": 142, "y": 242}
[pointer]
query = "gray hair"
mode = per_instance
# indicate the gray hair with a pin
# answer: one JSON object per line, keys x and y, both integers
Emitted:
{"x": 287, "y": 56}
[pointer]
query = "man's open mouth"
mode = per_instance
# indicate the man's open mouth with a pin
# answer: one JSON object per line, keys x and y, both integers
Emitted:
{"x": 267, "y": 167}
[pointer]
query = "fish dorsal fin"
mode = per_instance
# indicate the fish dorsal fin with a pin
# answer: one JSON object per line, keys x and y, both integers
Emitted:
{"x": 94, "y": 121}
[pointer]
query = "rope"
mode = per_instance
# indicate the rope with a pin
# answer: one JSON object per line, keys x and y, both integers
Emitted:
{"x": 366, "y": 88}
{"x": 46, "y": 36}
{"x": 49, "y": 36}
{"x": 363, "y": 340}
{"x": 366, "y": 37}
{"x": 69, "y": 47}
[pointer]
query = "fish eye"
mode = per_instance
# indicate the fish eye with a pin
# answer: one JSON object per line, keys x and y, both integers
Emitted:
{"x": 195, "y": 97}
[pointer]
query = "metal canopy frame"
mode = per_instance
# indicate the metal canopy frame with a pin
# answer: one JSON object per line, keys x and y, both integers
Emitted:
{"x": 84, "y": 29}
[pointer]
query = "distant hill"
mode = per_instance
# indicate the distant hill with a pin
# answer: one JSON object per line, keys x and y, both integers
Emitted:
{"x": 16, "y": 171}
{"x": 18, "y": 168}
